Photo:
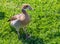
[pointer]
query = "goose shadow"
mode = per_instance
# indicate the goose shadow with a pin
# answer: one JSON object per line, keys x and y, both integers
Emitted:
{"x": 30, "y": 40}
{"x": 2, "y": 15}
{"x": 33, "y": 40}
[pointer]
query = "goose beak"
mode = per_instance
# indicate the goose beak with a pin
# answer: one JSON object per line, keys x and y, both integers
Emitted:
{"x": 30, "y": 8}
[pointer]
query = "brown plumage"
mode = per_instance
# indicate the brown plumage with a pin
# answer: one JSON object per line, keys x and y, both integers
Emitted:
{"x": 21, "y": 20}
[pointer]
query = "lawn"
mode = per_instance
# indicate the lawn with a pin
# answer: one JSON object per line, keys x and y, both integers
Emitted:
{"x": 44, "y": 26}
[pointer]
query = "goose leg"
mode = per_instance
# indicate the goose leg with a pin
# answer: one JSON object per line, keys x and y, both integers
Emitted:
{"x": 18, "y": 33}
{"x": 25, "y": 31}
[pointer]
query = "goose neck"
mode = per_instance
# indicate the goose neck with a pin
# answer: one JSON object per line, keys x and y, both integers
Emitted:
{"x": 24, "y": 11}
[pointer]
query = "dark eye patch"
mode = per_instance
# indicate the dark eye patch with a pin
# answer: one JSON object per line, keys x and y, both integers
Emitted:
{"x": 27, "y": 6}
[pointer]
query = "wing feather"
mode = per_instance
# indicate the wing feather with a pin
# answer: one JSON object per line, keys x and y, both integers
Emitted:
{"x": 12, "y": 18}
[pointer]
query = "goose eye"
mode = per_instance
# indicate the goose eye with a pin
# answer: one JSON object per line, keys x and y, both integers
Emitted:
{"x": 26, "y": 6}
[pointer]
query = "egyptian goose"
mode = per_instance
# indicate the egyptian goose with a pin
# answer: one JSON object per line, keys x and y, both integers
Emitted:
{"x": 21, "y": 20}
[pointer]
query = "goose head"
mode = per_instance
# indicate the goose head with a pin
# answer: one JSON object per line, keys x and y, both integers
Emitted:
{"x": 26, "y": 6}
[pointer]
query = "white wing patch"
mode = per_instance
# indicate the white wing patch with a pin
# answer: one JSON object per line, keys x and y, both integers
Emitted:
{"x": 13, "y": 22}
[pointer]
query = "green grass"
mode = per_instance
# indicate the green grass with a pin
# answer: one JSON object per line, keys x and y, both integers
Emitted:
{"x": 44, "y": 27}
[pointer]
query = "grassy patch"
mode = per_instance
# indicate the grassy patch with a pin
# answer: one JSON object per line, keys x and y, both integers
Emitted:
{"x": 44, "y": 27}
